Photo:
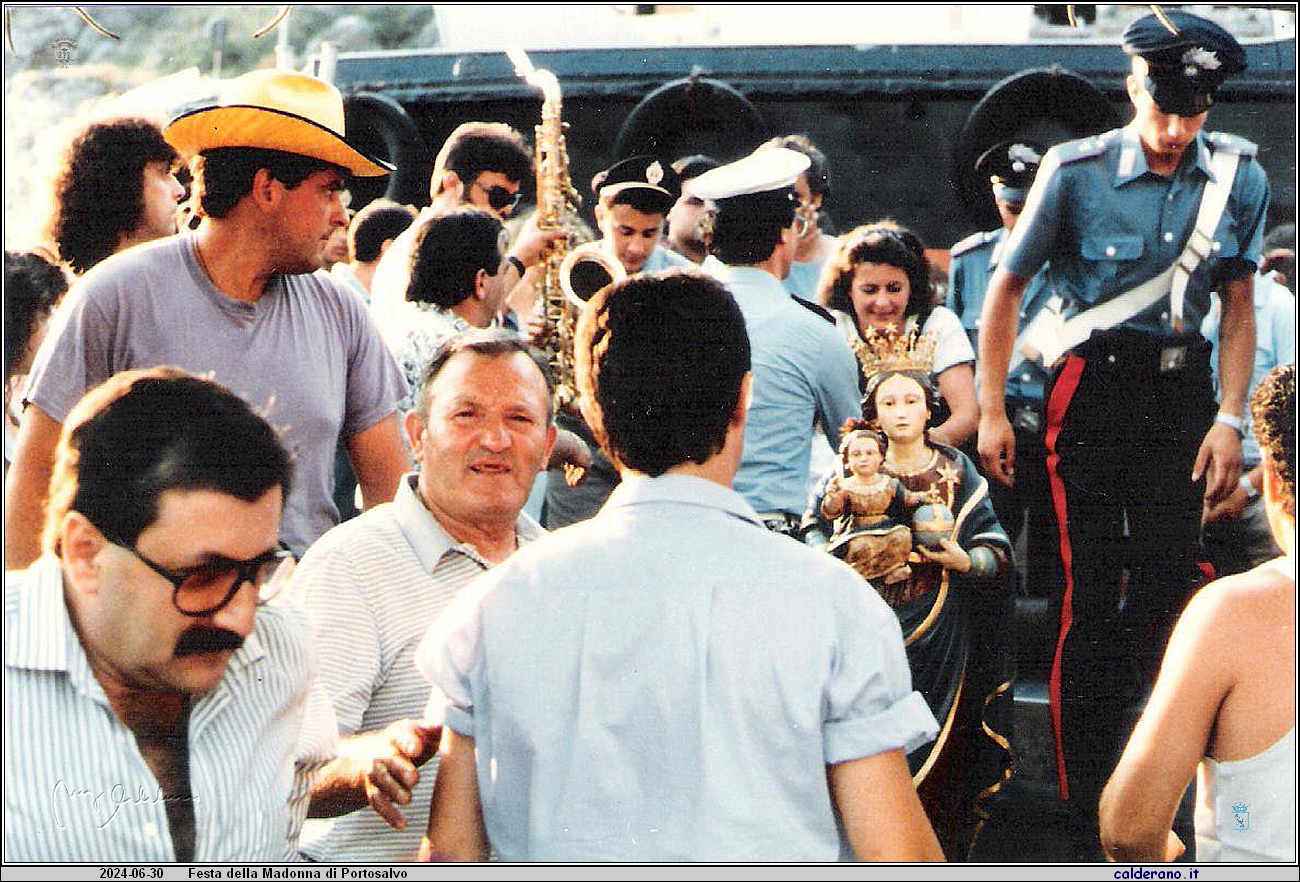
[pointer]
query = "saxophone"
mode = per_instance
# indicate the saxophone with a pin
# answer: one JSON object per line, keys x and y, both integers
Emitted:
{"x": 556, "y": 199}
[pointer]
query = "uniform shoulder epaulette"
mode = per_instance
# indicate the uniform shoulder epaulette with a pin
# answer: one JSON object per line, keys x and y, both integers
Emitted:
{"x": 971, "y": 242}
{"x": 1084, "y": 148}
{"x": 1232, "y": 143}
{"x": 814, "y": 308}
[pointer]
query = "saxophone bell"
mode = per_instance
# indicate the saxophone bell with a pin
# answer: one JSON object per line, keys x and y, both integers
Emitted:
{"x": 585, "y": 270}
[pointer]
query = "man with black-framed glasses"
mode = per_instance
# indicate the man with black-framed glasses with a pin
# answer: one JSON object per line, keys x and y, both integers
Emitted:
{"x": 166, "y": 714}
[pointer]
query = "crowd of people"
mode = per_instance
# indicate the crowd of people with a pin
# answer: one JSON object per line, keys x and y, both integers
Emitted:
{"x": 771, "y": 622}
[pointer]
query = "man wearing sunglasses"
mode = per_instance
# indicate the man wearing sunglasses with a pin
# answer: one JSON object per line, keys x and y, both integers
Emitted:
{"x": 161, "y": 712}
{"x": 804, "y": 372}
{"x": 482, "y": 165}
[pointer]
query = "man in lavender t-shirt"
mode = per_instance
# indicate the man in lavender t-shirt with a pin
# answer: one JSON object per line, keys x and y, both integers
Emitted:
{"x": 234, "y": 299}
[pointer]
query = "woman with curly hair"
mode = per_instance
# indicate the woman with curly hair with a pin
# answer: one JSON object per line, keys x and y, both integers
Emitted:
{"x": 33, "y": 286}
{"x": 879, "y": 280}
{"x": 115, "y": 187}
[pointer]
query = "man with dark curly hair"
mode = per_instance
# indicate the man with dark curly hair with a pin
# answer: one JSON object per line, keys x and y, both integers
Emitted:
{"x": 115, "y": 187}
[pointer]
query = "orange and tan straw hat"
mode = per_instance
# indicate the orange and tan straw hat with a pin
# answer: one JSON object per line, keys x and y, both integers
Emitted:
{"x": 274, "y": 110}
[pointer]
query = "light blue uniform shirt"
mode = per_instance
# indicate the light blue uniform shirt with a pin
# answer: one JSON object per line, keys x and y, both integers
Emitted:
{"x": 667, "y": 682}
{"x": 1274, "y": 344}
{"x": 662, "y": 259}
{"x": 973, "y": 261}
{"x": 804, "y": 373}
{"x": 1107, "y": 224}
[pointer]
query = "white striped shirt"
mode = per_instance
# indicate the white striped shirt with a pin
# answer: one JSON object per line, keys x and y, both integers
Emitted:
{"x": 371, "y": 587}
{"x": 76, "y": 786}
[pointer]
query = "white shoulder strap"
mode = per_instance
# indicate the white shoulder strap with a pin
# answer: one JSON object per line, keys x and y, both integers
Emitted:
{"x": 1049, "y": 335}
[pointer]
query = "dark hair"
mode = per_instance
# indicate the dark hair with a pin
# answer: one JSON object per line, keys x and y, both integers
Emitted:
{"x": 659, "y": 361}
{"x": 862, "y": 430}
{"x": 224, "y": 176}
{"x": 144, "y": 432}
{"x": 869, "y": 412}
{"x": 477, "y": 147}
{"x": 33, "y": 286}
{"x": 880, "y": 242}
{"x": 374, "y": 225}
{"x": 1272, "y": 411}
{"x": 450, "y": 249}
{"x": 98, "y": 193}
{"x": 819, "y": 171}
{"x": 488, "y": 342}
{"x": 693, "y": 166}
{"x": 642, "y": 200}
{"x": 746, "y": 229}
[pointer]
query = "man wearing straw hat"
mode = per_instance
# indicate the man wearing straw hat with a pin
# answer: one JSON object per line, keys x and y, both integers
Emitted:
{"x": 235, "y": 299}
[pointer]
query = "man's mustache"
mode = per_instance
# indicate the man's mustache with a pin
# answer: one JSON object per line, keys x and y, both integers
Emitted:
{"x": 198, "y": 641}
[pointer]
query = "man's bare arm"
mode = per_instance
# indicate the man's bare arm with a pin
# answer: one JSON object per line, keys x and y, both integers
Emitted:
{"x": 379, "y": 769}
{"x": 882, "y": 814}
{"x": 998, "y": 325}
{"x": 455, "y": 831}
{"x": 1219, "y": 458}
{"x": 380, "y": 459}
{"x": 27, "y": 486}
{"x": 1138, "y": 804}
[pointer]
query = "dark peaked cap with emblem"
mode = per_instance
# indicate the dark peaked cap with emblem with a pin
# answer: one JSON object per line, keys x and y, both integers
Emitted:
{"x": 637, "y": 173}
{"x": 1010, "y": 167}
{"x": 1185, "y": 68}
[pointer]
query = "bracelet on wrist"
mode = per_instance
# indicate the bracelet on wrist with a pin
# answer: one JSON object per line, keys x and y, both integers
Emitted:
{"x": 1232, "y": 421}
{"x": 517, "y": 264}
{"x": 1248, "y": 486}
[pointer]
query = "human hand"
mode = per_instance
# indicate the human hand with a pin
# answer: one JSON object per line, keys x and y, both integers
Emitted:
{"x": 1220, "y": 461}
{"x": 569, "y": 449}
{"x": 1174, "y": 847}
{"x": 950, "y": 556}
{"x": 398, "y": 752}
{"x": 1228, "y": 509}
{"x": 534, "y": 242}
{"x": 997, "y": 447}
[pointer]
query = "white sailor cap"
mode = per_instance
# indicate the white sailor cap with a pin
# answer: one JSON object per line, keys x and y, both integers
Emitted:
{"x": 774, "y": 168}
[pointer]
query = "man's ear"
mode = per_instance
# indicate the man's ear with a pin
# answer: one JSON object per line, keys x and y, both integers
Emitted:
{"x": 80, "y": 543}
{"x": 741, "y": 411}
{"x": 481, "y": 278}
{"x": 414, "y": 425}
{"x": 266, "y": 189}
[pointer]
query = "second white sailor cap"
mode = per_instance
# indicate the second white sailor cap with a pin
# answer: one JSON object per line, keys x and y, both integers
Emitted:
{"x": 764, "y": 171}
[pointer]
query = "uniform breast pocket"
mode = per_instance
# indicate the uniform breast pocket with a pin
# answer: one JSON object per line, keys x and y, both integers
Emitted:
{"x": 1108, "y": 253}
{"x": 1226, "y": 240}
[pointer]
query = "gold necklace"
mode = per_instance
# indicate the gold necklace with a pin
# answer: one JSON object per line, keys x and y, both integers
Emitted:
{"x": 907, "y": 470}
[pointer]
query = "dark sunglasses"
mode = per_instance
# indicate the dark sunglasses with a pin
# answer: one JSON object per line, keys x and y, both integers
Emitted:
{"x": 209, "y": 588}
{"x": 499, "y": 197}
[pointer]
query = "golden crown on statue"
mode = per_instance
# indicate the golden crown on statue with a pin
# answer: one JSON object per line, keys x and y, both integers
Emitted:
{"x": 880, "y": 351}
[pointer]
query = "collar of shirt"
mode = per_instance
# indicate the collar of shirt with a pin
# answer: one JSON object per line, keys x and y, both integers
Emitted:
{"x": 751, "y": 279}
{"x": 681, "y": 490}
{"x": 426, "y": 536}
{"x": 1133, "y": 159}
{"x": 43, "y": 638}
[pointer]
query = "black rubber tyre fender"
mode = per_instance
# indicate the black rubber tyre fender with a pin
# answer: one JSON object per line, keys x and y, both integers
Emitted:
{"x": 379, "y": 125}
{"x": 691, "y": 115}
{"x": 1048, "y": 105}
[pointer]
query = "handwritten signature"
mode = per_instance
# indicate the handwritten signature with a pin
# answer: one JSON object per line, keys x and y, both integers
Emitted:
{"x": 108, "y": 801}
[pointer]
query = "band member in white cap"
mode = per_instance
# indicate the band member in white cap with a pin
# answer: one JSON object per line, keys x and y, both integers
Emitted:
{"x": 237, "y": 299}
{"x": 804, "y": 372}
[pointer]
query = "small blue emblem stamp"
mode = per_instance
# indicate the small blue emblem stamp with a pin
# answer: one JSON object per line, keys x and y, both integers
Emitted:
{"x": 1241, "y": 816}
{"x": 65, "y": 50}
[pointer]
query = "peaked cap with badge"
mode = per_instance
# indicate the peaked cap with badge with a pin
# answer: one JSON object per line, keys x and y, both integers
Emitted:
{"x": 1184, "y": 69}
{"x": 647, "y": 173}
{"x": 1010, "y": 167}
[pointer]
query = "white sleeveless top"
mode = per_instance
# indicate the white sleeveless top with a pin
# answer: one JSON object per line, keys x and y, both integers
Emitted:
{"x": 1245, "y": 809}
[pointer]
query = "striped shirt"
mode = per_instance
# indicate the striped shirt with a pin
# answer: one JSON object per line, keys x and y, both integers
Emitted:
{"x": 76, "y": 785}
{"x": 371, "y": 588}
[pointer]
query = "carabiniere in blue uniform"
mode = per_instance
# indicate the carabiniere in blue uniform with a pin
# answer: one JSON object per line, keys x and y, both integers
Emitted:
{"x": 1131, "y": 398}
